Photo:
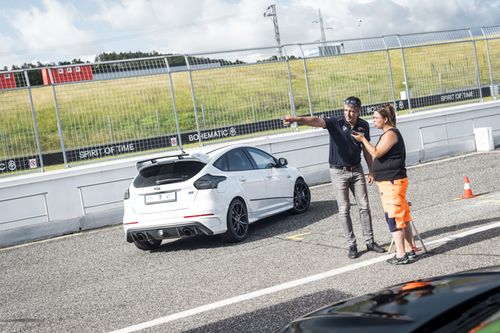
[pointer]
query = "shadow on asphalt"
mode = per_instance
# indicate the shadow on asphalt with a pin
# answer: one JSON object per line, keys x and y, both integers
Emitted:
{"x": 457, "y": 227}
{"x": 284, "y": 223}
{"x": 457, "y": 243}
{"x": 461, "y": 242}
{"x": 265, "y": 228}
{"x": 274, "y": 317}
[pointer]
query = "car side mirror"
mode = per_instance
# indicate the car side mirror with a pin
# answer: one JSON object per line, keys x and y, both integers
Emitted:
{"x": 282, "y": 162}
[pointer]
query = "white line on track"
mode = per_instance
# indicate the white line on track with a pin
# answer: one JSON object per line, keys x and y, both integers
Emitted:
{"x": 287, "y": 285}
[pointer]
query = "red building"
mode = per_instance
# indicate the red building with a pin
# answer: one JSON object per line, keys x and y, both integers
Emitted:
{"x": 71, "y": 73}
{"x": 7, "y": 81}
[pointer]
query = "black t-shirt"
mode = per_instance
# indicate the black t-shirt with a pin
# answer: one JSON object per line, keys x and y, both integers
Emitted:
{"x": 344, "y": 149}
{"x": 391, "y": 166}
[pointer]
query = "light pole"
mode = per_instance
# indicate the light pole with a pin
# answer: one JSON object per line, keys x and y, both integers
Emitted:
{"x": 360, "y": 29}
{"x": 321, "y": 26}
{"x": 361, "y": 34}
{"x": 271, "y": 12}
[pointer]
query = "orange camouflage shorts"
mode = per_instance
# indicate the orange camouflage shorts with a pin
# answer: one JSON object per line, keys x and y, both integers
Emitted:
{"x": 396, "y": 208}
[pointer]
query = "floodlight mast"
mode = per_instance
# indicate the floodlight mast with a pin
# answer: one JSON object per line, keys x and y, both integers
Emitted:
{"x": 321, "y": 26}
{"x": 271, "y": 11}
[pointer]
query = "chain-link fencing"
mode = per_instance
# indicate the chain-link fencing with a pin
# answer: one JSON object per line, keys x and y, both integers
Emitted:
{"x": 19, "y": 142}
{"x": 112, "y": 108}
{"x": 238, "y": 93}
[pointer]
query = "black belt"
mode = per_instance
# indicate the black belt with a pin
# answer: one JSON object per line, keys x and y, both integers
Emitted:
{"x": 345, "y": 168}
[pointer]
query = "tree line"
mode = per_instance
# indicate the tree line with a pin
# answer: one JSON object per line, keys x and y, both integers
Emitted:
{"x": 174, "y": 60}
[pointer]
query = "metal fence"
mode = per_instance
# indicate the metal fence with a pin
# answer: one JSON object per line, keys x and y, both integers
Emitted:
{"x": 90, "y": 111}
{"x": 19, "y": 140}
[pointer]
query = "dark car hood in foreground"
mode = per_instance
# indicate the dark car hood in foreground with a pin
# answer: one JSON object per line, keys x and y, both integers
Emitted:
{"x": 423, "y": 305}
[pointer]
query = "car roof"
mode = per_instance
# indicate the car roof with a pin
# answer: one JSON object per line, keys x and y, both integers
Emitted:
{"x": 217, "y": 150}
{"x": 203, "y": 154}
{"x": 404, "y": 307}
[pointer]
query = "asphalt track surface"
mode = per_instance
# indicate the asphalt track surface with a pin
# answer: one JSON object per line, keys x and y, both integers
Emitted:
{"x": 96, "y": 282}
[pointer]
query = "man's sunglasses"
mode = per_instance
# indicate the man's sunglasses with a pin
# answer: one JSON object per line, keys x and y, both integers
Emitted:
{"x": 352, "y": 101}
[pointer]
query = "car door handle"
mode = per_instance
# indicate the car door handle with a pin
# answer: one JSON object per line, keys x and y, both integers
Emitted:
{"x": 288, "y": 176}
{"x": 269, "y": 176}
{"x": 243, "y": 179}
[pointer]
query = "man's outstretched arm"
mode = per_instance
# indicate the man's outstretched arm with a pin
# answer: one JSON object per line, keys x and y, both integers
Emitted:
{"x": 309, "y": 121}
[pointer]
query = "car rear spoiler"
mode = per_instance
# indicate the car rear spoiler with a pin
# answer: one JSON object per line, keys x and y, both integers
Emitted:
{"x": 140, "y": 164}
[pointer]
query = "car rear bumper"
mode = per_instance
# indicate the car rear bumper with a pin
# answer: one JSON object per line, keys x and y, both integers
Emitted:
{"x": 179, "y": 231}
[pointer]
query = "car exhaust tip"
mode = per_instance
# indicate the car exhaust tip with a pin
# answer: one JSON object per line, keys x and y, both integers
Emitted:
{"x": 140, "y": 237}
{"x": 187, "y": 231}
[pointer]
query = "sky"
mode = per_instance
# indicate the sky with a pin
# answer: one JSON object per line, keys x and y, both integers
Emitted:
{"x": 50, "y": 31}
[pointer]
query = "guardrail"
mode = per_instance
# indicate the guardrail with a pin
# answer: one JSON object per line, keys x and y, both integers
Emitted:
{"x": 92, "y": 198}
{"x": 24, "y": 210}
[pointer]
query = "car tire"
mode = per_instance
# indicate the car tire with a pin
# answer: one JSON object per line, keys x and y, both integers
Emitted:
{"x": 146, "y": 244}
{"x": 301, "y": 197}
{"x": 237, "y": 222}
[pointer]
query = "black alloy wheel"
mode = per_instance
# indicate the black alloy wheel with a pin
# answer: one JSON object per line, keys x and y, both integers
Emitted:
{"x": 301, "y": 197}
{"x": 237, "y": 222}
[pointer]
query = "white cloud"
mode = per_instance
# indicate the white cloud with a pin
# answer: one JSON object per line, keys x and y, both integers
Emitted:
{"x": 59, "y": 30}
{"x": 384, "y": 17}
{"x": 51, "y": 28}
{"x": 7, "y": 58}
{"x": 190, "y": 26}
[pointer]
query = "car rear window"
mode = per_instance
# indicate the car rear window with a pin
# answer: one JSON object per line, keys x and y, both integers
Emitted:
{"x": 167, "y": 173}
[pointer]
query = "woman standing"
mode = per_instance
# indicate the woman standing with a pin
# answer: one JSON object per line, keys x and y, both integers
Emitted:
{"x": 389, "y": 172}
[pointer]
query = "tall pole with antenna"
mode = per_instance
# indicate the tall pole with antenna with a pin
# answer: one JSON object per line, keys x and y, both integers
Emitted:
{"x": 271, "y": 11}
{"x": 321, "y": 26}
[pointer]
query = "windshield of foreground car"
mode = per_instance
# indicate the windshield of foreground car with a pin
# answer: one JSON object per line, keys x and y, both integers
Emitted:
{"x": 168, "y": 173}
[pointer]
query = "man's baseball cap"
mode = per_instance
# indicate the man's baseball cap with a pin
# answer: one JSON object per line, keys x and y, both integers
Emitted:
{"x": 353, "y": 101}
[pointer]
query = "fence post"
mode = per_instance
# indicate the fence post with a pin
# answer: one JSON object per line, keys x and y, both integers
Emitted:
{"x": 492, "y": 89}
{"x": 369, "y": 92}
{"x": 3, "y": 134}
{"x": 478, "y": 74}
{"x": 193, "y": 96}
{"x": 390, "y": 73}
{"x": 203, "y": 115}
{"x": 408, "y": 97}
{"x": 253, "y": 109}
{"x": 58, "y": 116}
{"x": 331, "y": 96}
{"x": 158, "y": 121}
{"x": 306, "y": 74}
{"x": 290, "y": 85}
{"x": 110, "y": 128}
{"x": 35, "y": 123}
{"x": 172, "y": 92}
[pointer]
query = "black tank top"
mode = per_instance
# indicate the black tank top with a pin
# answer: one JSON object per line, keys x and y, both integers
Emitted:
{"x": 391, "y": 166}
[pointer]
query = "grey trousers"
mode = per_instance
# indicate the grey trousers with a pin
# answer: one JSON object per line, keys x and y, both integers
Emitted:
{"x": 354, "y": 180}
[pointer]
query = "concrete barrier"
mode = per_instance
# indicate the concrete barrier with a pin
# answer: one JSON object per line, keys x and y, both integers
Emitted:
{"x": 38, "y": 206}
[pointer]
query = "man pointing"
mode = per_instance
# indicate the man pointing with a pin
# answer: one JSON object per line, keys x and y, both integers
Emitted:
{"x": 346, "y": 171}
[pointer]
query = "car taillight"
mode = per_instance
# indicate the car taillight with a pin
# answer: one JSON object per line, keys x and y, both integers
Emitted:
{"x": 208, "y": 181}
{"x": 126, "y": 195}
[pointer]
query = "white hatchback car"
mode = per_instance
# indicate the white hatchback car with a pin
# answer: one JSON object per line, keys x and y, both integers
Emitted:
{"x": 220, "y": 191}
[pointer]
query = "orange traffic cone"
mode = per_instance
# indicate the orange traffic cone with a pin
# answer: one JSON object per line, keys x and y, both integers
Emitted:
{"x": 467, "y": 190}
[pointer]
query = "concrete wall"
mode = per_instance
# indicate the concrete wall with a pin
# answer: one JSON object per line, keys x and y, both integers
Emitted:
{"x": 38, "y": 206}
